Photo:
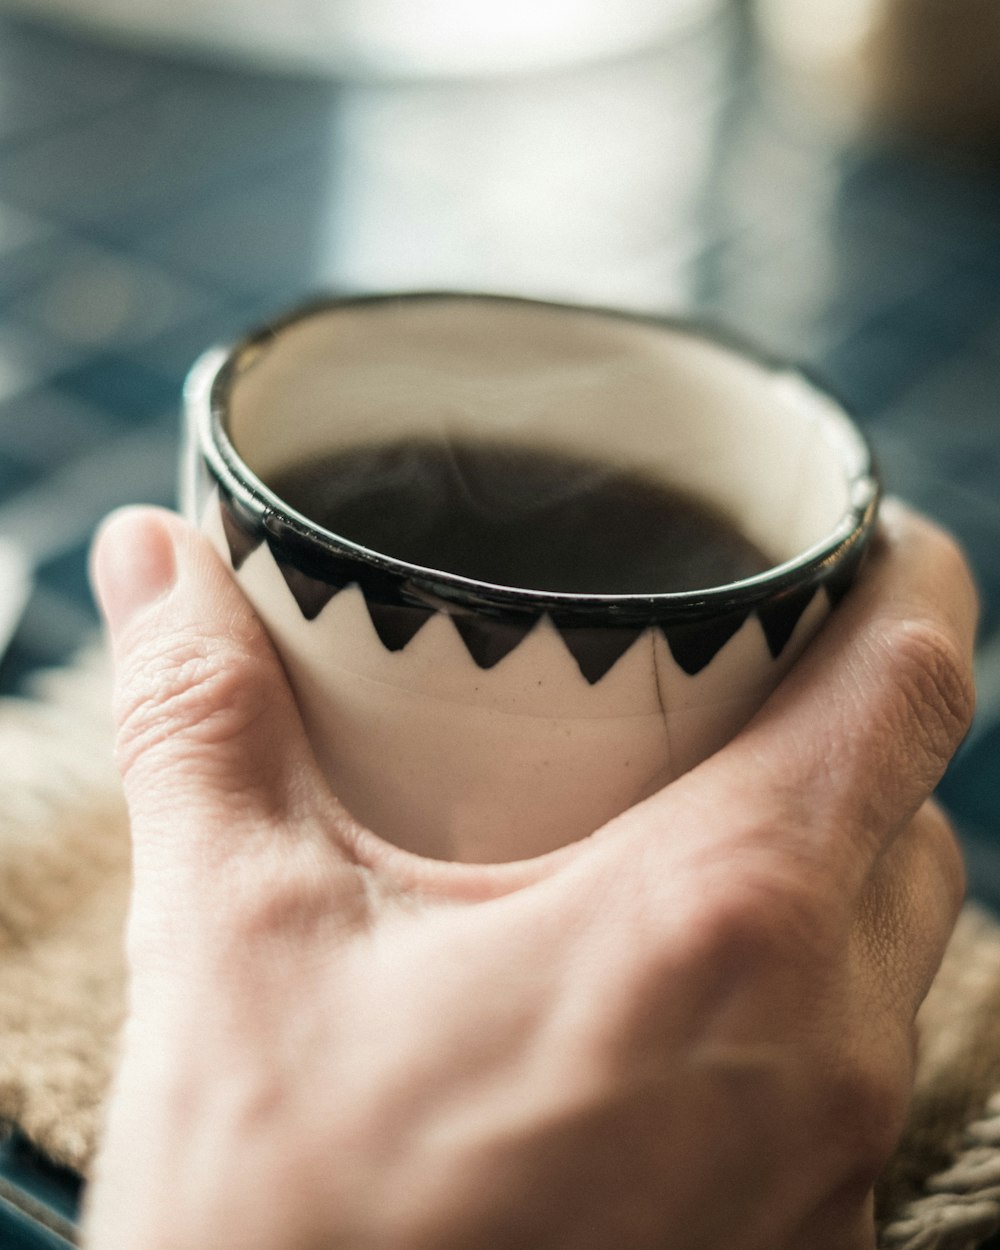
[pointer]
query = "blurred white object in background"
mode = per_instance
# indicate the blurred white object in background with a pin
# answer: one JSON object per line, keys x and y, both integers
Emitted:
{"x": 926, "y": 66}
{"x": 392, "y": 38}
{"x": 586, "y": 186}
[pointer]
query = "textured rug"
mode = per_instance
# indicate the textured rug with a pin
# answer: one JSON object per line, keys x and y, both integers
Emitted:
{"x": 64, "y": 876}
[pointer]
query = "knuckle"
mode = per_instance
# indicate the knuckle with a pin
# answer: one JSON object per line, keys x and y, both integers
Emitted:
{"x": 764, "y": 929}
{"x": 767, "y": 913}
{"x": 203, "y": 689}
{"x": 935, "y": 682}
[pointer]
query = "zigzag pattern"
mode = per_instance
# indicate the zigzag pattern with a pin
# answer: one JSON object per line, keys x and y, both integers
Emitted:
{"x": 399, "y": 610}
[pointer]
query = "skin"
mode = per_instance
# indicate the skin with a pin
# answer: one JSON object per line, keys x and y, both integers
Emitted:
{"x": 693, "y": 1029}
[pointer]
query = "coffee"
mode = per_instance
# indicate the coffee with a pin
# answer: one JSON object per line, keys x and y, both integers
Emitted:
{"x": 521, "y": 516}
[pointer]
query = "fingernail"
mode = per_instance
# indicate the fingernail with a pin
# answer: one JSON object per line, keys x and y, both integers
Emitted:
{"x": 133, "y": 563}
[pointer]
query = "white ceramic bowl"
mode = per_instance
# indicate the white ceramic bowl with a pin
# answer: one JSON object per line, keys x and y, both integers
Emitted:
{"x": 465, "y": 720}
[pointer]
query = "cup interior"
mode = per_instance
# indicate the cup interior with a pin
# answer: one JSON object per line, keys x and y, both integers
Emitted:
{"x": 759, "y": 442}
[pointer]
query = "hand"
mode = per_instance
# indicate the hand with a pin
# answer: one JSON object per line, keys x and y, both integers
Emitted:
{"x": 691, "y": 1030}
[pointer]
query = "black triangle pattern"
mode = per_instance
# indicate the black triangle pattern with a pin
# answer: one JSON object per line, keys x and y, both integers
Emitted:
{"x": 243, "y": 535}
{"x": 396, "y": 624}
{"x": 779, "y": 617}
{"x": 696, "y": 644}
{"x": 597, "y": 651}
{"x": 310, "y": 594}
{"x": 487, "y": 640}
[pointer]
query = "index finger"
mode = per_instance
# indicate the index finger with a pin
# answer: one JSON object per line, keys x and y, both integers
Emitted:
{"x": 859, "y": 733}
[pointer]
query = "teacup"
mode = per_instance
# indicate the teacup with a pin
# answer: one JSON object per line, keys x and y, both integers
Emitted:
{"x": 464, "y": 719}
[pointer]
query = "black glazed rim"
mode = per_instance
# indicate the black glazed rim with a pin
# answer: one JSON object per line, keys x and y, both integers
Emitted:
{"x": 326, "y": 557}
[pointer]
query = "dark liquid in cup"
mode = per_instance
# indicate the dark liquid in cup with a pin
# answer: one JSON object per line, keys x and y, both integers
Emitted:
{"x": 520, "y": 516}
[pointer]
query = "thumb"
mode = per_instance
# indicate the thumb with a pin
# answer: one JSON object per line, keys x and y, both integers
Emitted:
{"x": 210, "y": 743}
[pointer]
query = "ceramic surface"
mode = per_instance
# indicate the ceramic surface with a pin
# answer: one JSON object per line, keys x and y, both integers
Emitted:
{"x": 478, "y": 722}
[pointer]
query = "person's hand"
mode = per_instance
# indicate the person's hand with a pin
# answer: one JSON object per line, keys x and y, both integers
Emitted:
{"x": 692, "y": 1030}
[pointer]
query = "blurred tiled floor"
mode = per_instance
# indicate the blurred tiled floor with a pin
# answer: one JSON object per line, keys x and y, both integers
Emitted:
{"x": 150, "y": 206}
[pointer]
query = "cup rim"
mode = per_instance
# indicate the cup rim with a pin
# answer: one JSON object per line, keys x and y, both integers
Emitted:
{"x": 211, "y": 379}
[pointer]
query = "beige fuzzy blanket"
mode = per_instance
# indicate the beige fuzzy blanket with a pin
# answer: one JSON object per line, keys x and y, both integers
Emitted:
{"x": 64, "y": 877}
